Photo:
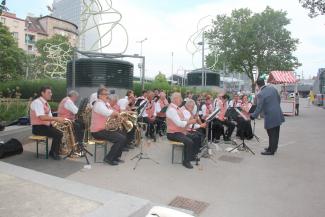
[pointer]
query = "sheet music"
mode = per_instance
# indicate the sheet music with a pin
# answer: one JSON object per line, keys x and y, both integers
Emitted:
{"x": 241, "y": 114}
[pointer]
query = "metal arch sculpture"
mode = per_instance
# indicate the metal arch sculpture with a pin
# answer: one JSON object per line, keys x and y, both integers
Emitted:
{"x": 193, "y": 47}
{"x": 56, "y": 67}
{"x": 93, "y": 9}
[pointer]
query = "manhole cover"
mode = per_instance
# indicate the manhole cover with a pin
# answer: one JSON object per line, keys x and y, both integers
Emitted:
{"x": 185, "y": 203}
{"x": 231, "y": 159}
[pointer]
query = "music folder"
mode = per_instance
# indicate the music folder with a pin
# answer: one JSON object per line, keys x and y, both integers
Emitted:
{"x": 252, "y": 109}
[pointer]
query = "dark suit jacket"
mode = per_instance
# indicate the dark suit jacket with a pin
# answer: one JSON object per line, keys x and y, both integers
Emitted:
{"x": 268, "y": 101}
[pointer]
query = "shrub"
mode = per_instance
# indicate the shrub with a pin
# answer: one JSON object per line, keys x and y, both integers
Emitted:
{"x": 28, "y": 88}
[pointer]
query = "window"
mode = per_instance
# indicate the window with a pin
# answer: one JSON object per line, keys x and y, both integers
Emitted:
{"x": 15, "y": 35}
{"x": 29, "y": 39}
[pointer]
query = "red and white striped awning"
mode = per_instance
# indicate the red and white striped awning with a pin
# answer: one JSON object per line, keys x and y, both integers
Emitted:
{"x": 281, "y": 77}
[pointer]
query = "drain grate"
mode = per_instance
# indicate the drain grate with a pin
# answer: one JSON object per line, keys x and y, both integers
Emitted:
{"x": 185, "y": 203}
{"x": 231, "y": 159}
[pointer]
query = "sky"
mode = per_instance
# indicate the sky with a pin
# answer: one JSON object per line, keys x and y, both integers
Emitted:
{"x": 168, "y": 24}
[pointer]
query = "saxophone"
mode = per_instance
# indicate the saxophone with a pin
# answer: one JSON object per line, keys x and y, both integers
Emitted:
{"x": 121, "y": 122}
{"x": 68, "y": 135}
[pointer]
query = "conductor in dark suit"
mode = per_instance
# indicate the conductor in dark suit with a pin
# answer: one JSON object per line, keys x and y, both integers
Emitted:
{"x": 268, "y": 101}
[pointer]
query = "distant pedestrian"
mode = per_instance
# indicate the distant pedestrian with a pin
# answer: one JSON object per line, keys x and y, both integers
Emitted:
{"x": 297, "y": 103}
{"x": 268, "y": 100}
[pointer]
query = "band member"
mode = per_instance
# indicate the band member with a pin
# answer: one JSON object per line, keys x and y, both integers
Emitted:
{"x": 149, "y": 116}
{"x": 113, "y": 100}
{"x": 195, "y": 131}
{"x": 268, "y": 100}
{"x": 190, "y": 96}
{"x": 222, "y": 120}
{"x": 101, "y": 111}
{"x": 207, "y": 107}
{"x": 235, "y": 102}
{"x": 160, "y": 105}
{"x": 176, "y": 128}
{"x": 67, "y": 109}
{"x": 244, "y": 128}
{"x": 41, "y": 118}
{"x": 126, "y": 103}
{"x": 93, "y": 97}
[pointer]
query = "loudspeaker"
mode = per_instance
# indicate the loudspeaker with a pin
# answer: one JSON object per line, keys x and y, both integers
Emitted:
{"x": 12, "y": 147}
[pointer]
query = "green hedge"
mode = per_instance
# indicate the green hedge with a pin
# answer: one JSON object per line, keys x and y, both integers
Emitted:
{"x": 28, "y": 88}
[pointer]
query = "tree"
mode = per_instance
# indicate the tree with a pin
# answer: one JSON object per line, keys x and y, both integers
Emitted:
{"x": 3, "y": 6}
{"x": 160, "y": 82}
{"x": 315, "y": 7}
{"x": 12, "y": 58}
{"x": 245, "y": 40}
{"x": 54, "y": 52}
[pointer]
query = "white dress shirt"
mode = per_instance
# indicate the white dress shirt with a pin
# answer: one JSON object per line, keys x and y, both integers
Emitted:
{"x": 123, "y": 103}
{"x": 92, "y": 99}
{"x": 69, "y": 105}
{"x": 38, "y": 107}
{"x": 172, "y": 114}
{"x": 102, "y": 108}
{"x": 187, "y": 116}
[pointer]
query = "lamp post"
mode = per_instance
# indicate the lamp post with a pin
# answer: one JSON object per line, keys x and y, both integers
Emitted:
{"x": 172, "y": 67}
{"x": 143, "y": 62}
{"x": 203, "y": 70}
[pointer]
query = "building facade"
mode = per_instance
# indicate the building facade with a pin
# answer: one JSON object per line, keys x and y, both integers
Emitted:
{"x": 28, "y": 31}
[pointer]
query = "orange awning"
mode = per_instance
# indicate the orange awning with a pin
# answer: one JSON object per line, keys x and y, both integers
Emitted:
{"x": 281, "y": 77}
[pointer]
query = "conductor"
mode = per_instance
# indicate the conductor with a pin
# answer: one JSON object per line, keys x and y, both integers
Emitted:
{"x": 268, "y": 101}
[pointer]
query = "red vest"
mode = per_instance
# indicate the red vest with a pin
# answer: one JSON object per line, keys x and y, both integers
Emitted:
{"x": 223, "y": 109}
{"x": 63, "y": 112}
{"x": 36, "y": 120}
{"x": 150, "y": 110}
{"x": 97, "y": 120}
{"x": 171, "y": 126}
{"x": 245, "y": 109}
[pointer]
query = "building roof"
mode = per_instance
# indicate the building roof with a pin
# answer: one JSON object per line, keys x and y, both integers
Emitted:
{"x": 281, "y": 77}
{"x": 33, "y": 25}
{"x": 47, "y": 16}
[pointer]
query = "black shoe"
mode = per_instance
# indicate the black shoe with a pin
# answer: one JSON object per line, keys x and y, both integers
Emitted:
{"x": 187, "y": 164}
{"x": 227, "y": 139}
{"x": 125, "y": 149}
{"x": 119, "y": 160}
{"x": 54, "y": 156}
{"x": 267, "y": 150}
{"x": 267, "y": 153}
{"x": 111, "y": 162}
{"x": 130, "y": 146}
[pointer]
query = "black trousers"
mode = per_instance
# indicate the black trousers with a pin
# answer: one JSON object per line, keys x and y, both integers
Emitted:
{"x": 189, "y": 144}
{"x": 118, "y": 139}
{"x": 217, "y": 127}
{"x": 79, "y": 131}
{"x": 160, "y": 121}
{"x": 151, "y": 127}
{"x": 51, "y": 132}
{"x": 273, "y": 134}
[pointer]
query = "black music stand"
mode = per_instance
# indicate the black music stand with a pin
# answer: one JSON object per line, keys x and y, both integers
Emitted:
{"x": 205, "y": 148}
{"x": 142, "y": 155}
{"x": 252, "y": 110}
{"x": 242, "y": 144}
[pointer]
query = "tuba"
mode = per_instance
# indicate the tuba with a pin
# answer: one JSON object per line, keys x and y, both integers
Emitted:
{"x": 120, "y": 122}
{"x": 68, "y": 134}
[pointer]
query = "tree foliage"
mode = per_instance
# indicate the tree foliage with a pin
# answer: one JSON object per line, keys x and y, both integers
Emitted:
{"x": 315, "y": 7}
{"x": 12, "y": 58}
{"x": 160, "y": 81}
{"x": 244, "y": 40}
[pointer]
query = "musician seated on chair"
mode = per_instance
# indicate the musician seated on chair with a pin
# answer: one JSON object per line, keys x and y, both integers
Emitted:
{"x": 177, "y": 128}
{"x": 195, "y": 131}
{"x": 100, "y": 113}
{"x": 160, "y": 106}
{"x": 113, "y": 102}
{"x": 235, "y": 102}
{"x": 67, "y": 109}
{"x": 149, "y": 115}
{"x": 127, "y": 103}
{"x": 244, "y": 127}
{"x": 41, "y": 118}
{"x": 221, "y": 120}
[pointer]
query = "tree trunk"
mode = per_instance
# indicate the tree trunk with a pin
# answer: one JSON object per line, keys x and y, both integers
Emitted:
{"x": 253, "y": 85}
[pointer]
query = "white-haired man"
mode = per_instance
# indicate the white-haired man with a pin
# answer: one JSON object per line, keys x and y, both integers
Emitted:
{"x": 177, "y": 128}
{"x": 67, "y": 109}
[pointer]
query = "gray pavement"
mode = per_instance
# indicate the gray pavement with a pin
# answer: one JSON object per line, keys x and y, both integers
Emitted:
{"x": 289, "y": 184}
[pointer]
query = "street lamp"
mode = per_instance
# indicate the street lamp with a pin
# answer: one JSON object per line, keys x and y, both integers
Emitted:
{"x": 203, "y": 70}
{"x": 142, "y": 69}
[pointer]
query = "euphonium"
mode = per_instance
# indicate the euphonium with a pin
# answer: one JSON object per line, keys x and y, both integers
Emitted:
{"x": 68, "y": 133}
{"x": 120, "y": 122}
